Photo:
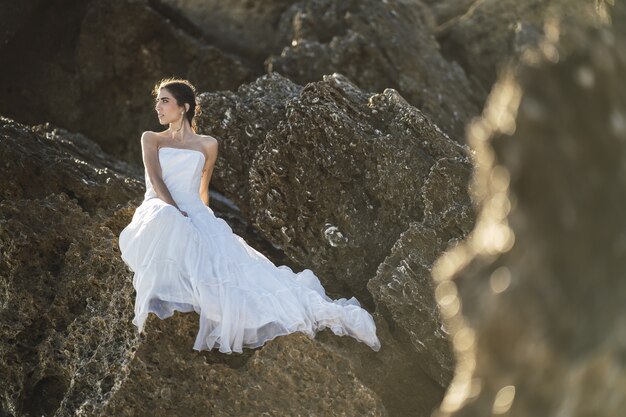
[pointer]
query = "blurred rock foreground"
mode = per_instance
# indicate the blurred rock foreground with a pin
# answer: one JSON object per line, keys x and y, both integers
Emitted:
{"x": 459, "y": 167}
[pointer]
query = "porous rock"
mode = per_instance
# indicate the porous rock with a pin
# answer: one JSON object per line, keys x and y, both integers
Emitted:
{"x": 68, "y": 344}
{"x": 290, "y": 375}
{"x": 403, "y": 286}
{"x": 341, "y": 177}
{"x": 378, "y": 45}
{"x": 334, "y": 176}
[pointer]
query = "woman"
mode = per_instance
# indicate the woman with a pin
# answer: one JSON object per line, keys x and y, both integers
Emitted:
{"x": 184, "y": 258}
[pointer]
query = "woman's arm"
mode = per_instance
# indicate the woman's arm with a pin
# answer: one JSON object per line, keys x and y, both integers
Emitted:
{"x": 150, "y": 152}
{"x": 211, "y": 150}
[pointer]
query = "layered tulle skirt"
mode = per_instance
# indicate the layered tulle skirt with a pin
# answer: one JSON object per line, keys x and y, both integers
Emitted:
{"x": 197, "y": 263}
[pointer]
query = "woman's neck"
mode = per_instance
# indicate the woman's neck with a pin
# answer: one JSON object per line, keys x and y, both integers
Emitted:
{"x": 180, "y": 135}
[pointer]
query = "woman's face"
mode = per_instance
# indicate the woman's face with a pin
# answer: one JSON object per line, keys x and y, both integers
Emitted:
{"x": 166, "y": 108}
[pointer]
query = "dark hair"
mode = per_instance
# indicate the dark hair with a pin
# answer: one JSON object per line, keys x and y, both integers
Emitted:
{"x": 183, "y": 92}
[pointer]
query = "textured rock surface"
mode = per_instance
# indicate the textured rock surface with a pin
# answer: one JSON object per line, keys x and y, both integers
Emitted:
{"x": 492, "y": 32}
{"x": 65, "y": 332}
{"x": 355, "y": 183}
{"x": 44, "y": 160}
{"x": 290, "y": 375}
{"x": 384, "y": 126}
{"x": 91, "y": 69}
{"x": 403, "y": 287}
{"x": 247, "y": 29}
{"x": 377, "y": 45}
{"x": 241, "y": 120}
{"x": 534, "y": 299}
{"x": 445, "y": 12}
{"x": 334, "y": 176}
{"x": 340, "y": 179}
{"x": 66, "y": 338}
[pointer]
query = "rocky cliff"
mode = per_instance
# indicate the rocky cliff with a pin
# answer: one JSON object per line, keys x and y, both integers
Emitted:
{"x": 458, "y": 166}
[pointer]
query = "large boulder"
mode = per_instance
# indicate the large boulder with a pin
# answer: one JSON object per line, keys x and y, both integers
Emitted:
{"x": 365, "y": 190}
{"x": 375, "y": 44}
{"x": 66, "y": 296}
{"x": 241, "y": 120}
{"x": 331, "y": 174}
{"x": 378, "y": 45}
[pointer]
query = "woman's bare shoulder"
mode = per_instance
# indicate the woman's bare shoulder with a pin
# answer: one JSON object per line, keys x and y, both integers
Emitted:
{"x": 208, "y": 139}
{"x": 150, "y": 133}
{"x": 208, "y": 142}
{"x": 210, "y": 146}
{"x": 151, "y": 137}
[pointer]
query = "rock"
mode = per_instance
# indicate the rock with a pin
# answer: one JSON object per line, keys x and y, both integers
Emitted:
{"x": 66, "y": 299}
{"x": 340, "y": 178}
{"x": 446, "y": 11}
{"x": 386, "y": 372}
{"x": 334, "y": 176}
{"x": 377, "y": 45}
{"x": 13, "y": 16}
{"x": 403, "y": 287}
{"x": 243, "y": 28}
{"x": 288, "y": 376}
{"x": 42, "y": 160}
{"x": 67, "y": 343}
{"x": 534, "y": 298}
{"x": 92, "y": 68}
{"x": 97, "y": 345}
{"x": 493, "y": 32}
{"x": 309, "y": 150}
{"x": 66, "y": 308}
{"x": 241, "y": 120}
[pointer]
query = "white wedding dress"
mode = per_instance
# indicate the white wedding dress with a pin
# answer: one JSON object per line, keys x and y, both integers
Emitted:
{"x": 197, "y": 263}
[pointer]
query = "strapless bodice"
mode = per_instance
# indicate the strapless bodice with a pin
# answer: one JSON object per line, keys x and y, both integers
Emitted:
{"x": 182, "y": 172}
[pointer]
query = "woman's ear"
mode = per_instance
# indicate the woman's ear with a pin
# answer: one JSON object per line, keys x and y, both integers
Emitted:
{"x": 186, "y": 107}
